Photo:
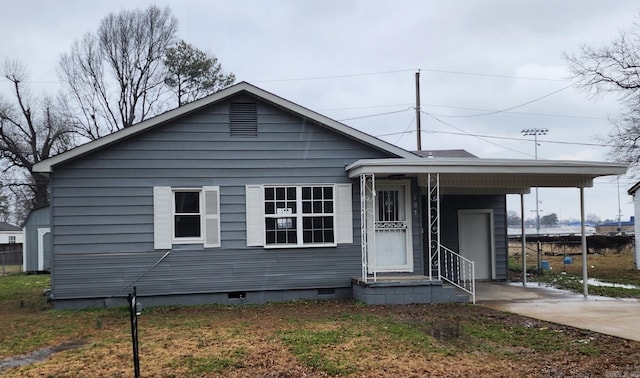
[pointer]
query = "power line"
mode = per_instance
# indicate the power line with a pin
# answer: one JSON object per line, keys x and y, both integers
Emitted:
{"x": 375, "y": 115}
{"x": 510, "y": 112}
{"x": 407, "y": 129}
{"x": 491, "y": 75}
{"x": 464, "y": 133}
{"x": 479, "y": 137}
{"x": 464, "y": 108}
{"x": 513, "y": 107}
{"x": 344, "y": 76}
{"x": 364, "y": 74}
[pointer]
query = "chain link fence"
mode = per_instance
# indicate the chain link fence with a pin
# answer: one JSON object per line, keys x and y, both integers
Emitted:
{"x": 10, "y": 262}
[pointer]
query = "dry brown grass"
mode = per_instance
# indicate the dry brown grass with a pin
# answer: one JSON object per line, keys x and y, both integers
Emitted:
{"x": 313, "y": 339}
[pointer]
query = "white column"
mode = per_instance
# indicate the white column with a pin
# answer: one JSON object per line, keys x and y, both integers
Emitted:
{"x": 524, "y": 241}
{"x": 585, "y": 284}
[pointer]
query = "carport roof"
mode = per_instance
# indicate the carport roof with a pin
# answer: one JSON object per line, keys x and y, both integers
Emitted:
{"x": 492, "y": 175}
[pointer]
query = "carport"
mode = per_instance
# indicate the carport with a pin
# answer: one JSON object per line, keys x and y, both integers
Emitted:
{"x": 437, "y": 176}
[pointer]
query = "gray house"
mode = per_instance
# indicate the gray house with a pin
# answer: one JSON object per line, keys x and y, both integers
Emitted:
{"x": 245, "y": 197}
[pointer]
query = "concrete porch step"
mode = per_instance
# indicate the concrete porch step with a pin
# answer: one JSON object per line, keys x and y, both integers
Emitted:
{"x": 406, "y": 290}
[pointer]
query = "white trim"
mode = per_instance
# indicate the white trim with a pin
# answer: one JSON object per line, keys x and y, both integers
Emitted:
{"x": 187, "y": 240}
{"x": 492, "y": 243}
{"x": 42, "y": 231}
{"x": 24, "y": 248}
{"x": 255, "y": 216}
{"x": 48, "y": 164}
{"x": 523, "y": 170}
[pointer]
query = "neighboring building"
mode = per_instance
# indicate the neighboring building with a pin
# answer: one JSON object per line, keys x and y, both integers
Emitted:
{"x": 10, "y": 234}
{"x": 245, "y": 197}
{"x": 614, "y": 228}
{"x": 36, "y": 250}
{"x": 633, "y": 191}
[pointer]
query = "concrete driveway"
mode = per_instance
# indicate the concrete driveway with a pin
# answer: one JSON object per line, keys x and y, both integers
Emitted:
{"x": 611, "y": 316}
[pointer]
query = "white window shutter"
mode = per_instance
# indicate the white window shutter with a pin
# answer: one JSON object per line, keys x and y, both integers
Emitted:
{"x": 344, "y": 214}
{"x": 162, "y": 217}
{"x": 211, "y": 216}
{"x": 255, "y": 215}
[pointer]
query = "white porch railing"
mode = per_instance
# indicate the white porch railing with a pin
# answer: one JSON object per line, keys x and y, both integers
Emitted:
{"x": 458, "y": 271}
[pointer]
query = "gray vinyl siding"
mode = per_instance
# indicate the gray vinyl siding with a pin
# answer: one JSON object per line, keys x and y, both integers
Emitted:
{"x": 38, "y": 218}
{"x": 450, "y": 204}
{"x": 103, "y": 208}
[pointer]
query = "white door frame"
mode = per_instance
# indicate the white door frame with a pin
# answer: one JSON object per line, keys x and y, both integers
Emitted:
{"x": 408, "y": 234}
{"x": 42, "y": 231}
{"x": 492, "y": 244}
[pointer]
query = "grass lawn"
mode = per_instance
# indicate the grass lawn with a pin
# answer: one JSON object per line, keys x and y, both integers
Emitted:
{"x": 607, "y": 266}
{"x": 318, "y": 339}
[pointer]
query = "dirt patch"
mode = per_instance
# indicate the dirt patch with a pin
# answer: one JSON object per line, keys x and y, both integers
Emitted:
{"x": 39, "y": 355}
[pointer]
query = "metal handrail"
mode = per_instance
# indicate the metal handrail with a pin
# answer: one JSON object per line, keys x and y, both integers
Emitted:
{"x": 458, "y": 271}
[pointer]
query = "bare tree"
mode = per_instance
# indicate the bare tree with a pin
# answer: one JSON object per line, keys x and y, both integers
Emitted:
{"x": 116, "y": 76}
{"x": 615, "y": 68}
{"x": 193, "y": 74}
{"x": 31, "y": 130}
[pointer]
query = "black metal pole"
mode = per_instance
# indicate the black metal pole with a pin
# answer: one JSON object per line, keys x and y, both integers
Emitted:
{"x": 134, "y": 332}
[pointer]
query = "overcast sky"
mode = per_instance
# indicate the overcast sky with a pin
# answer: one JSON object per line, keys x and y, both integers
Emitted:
{"x": 354, "y": 61}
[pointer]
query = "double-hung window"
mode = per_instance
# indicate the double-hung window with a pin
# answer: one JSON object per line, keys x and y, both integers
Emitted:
{"x": 186, "y": 216}
{"x": 284, "y": 216}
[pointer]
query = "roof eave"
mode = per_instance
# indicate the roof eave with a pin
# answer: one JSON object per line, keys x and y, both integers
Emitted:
{"x": 47, "y": 165}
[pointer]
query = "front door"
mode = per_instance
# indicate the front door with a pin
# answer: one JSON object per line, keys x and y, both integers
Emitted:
{"x": 476, "y": 240}
{"x": 393, "y": 227}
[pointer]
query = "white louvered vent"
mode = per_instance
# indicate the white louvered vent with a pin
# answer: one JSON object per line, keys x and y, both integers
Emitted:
{"x": 243, "y": 117}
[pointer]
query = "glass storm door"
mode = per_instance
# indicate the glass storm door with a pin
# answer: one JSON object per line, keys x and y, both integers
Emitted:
{"x": 391, "y": 228}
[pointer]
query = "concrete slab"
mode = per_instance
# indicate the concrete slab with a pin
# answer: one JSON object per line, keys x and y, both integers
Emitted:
{"x": 610, "y": 316}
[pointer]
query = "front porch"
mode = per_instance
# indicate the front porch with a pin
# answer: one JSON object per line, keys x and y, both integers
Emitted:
{"x": 405, "y": 237}
{"x": 405, "y": 290}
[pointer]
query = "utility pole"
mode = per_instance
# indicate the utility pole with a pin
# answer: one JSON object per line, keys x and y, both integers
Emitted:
{"x": 419, "y": 136}
{"x": 535, "y": 132}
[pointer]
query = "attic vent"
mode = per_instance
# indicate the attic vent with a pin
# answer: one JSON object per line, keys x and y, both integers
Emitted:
{"x": 243, "y": 118}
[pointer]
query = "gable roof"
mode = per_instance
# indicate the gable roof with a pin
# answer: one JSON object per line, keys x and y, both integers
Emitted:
{"x": 632, "y": 191}
{"x": 48, "y": 164}
{"x": 4, "y": 226}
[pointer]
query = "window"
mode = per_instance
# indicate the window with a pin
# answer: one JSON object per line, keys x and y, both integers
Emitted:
{"x": 299, "y": 216}
{"x": 186, "y": 216}
{"x": 12, "y": 239}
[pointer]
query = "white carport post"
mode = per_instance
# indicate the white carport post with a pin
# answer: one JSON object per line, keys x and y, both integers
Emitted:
{"x": 585, "y": 284}
{"x": 524, "y": 242}
{"x": 367, "y": 226}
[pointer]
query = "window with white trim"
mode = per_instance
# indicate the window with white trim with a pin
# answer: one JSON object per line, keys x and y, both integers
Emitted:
{"x": 283, "y": 216}
{"x": 12, "y": 239}
{"x": 186, "y": 216}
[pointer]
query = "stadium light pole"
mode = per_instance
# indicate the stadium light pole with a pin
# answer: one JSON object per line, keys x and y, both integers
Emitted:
{"x": 535, "y": 132}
